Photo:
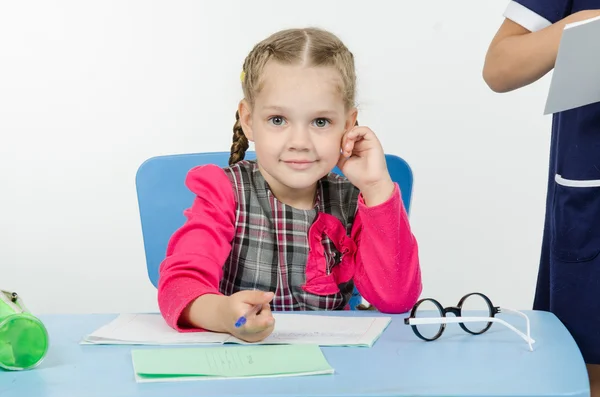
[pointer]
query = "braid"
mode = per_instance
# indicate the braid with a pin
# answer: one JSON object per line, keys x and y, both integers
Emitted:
{"x": 240, "y": 142}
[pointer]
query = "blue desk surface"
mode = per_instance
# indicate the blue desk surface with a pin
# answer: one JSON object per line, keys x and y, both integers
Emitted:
{"x": 497, "y": 363}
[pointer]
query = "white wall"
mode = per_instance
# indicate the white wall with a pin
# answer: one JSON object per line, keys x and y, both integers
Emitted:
{"x": 89, "y": 90}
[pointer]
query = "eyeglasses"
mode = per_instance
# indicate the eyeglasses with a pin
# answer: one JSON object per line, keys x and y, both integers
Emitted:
{"x": 428, "y": 318}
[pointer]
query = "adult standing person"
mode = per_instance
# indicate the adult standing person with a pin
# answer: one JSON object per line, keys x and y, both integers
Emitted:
{"x": 523, "y": 50}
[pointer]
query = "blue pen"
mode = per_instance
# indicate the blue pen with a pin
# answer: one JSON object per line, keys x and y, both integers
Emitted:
{"x": 242, "y": 320}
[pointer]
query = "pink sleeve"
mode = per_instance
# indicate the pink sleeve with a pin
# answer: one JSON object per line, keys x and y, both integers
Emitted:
{"x": 197, "y": 251}
{"x": 388, "y": 273}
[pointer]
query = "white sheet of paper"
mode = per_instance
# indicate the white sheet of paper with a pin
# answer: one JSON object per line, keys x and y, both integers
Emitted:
{"x": 324, "y": 330}
{"x": 147, "y": 329}
{"x": 576, "y": 77}
{"x": 151, "y": 329}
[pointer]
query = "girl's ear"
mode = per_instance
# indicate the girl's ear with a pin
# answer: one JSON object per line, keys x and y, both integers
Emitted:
{"x": 246, "y": 119}
{"x": 351, "y": 117}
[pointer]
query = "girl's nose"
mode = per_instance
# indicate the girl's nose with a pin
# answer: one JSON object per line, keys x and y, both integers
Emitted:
{"x": 299, "y": 139}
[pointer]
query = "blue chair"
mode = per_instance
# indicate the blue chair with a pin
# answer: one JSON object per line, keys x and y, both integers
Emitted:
{"x": 163, "y": 196}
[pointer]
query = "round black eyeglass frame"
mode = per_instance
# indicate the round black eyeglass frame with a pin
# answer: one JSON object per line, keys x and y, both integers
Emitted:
{"x": 456, "y": 310}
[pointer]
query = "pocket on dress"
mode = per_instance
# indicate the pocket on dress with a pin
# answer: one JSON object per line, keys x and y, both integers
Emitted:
{"x": 576, "y": 220}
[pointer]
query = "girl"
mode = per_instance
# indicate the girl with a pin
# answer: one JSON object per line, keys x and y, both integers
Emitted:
{"x": 524, "y": 50}
{"x": 283, "y": 232}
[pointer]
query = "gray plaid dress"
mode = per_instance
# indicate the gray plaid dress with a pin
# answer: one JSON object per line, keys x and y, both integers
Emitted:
{"x": 305, "y": 257}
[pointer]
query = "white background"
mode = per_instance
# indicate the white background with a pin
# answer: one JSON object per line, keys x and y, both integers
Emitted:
{"x": 89, "y": 90}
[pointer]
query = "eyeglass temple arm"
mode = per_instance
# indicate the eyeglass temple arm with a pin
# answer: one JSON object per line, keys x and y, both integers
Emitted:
{"x": 521, "y": 314}
{"x": 447, "y": 320}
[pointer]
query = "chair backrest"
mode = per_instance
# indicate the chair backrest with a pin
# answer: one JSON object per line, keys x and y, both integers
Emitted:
{"x": 163, "y": 196}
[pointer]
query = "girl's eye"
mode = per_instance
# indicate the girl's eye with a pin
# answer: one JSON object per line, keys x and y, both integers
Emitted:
{"x": 277, "y": 120}
{"x": 322, "y": 123}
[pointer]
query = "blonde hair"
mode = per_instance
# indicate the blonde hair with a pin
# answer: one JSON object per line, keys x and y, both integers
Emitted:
{"x": 311, "y": 47}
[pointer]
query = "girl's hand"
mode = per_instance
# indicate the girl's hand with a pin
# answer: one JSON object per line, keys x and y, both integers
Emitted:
{"x": 362, "y": 161}
{"x": 258, "y": 325}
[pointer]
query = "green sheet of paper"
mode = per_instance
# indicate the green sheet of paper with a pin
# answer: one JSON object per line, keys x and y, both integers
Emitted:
{"x": 229, "y": 362}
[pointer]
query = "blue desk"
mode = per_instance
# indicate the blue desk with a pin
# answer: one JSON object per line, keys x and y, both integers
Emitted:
{"x": 497, "y": 363}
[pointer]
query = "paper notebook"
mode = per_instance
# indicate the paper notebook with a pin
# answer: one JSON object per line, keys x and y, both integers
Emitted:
{"x": 228, "y": 362}
{"x": 576, "y": 76}
{"x": 151, "y": 329}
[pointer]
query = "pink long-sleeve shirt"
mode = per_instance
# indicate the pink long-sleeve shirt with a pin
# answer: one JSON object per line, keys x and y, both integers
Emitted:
{"x": 237, "y": 232}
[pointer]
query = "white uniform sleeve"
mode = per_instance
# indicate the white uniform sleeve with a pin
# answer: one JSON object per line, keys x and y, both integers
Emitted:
{"x": 525, "y": 17}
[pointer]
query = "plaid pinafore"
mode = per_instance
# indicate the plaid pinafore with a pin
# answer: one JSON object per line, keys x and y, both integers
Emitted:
{"x": 305, "y": 256}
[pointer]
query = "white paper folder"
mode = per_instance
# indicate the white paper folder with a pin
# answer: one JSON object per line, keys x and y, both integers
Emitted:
{"x": 576, "y": 77}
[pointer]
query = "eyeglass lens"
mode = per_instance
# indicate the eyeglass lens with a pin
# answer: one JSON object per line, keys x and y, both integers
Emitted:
{"x": 474, "y": 305}
{"x": 428, "y": 308}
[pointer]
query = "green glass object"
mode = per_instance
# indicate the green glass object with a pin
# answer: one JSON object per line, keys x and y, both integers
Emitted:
{"x": 23, "y": 337}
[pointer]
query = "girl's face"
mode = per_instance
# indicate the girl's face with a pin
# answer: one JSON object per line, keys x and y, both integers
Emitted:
{"x": 297, "y": 124}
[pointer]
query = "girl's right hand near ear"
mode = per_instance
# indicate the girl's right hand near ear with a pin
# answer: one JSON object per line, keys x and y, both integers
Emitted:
{"x": 258, "y": 325}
